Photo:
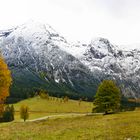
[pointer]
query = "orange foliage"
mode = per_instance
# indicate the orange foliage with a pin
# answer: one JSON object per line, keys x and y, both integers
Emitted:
{"x": 5, "y": 82}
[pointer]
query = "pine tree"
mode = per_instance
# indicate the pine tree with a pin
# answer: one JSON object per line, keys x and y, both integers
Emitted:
{"x": 108, "y": 97}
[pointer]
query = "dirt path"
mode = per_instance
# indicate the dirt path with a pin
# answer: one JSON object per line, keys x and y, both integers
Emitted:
{"x": 63, "y": 115}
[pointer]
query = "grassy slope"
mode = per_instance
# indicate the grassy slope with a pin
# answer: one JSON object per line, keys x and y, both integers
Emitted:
{"x": 123, "y": 126}
{"x": 42, "y": 107}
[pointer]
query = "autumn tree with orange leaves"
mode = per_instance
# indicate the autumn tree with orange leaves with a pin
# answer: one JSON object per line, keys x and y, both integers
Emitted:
{"x": 5, "y": 82}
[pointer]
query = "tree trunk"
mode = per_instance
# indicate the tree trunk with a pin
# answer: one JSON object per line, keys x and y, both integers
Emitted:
{"x": 106, "y": 112}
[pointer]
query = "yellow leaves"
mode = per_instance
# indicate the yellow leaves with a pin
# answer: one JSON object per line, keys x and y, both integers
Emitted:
{"x": 24, "y": 112}
{"x": 5, "y": 82}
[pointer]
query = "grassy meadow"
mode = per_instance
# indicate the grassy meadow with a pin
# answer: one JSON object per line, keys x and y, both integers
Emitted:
{"x": 121, "y": 126}
{"x": 39, "y": 107}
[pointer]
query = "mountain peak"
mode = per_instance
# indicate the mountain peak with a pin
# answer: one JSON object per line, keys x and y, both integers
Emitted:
{"x": 98, "y": 40}
{"x": 32, "y": 31}
{"x": 36, "y": 27}
{"x": 102, "y": 45}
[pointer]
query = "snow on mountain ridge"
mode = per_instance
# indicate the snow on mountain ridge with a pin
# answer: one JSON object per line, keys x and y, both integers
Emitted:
{"x": 33, "y": 29}
{"x": 38, "y": 47}
{"x": 130, "y": 47}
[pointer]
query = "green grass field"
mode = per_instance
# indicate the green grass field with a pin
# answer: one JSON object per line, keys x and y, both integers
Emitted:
{"x": 121, "y": 126}
{"x": 39, "y": 107}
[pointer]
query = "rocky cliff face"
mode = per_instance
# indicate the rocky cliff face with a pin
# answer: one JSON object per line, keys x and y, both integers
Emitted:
{"x": 40, "y": 58}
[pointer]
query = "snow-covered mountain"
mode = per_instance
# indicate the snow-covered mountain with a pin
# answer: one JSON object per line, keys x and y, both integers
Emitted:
{"x": 41, "y": 58}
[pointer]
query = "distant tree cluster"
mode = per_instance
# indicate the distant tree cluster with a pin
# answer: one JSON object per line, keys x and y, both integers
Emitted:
{"x": 44, "y": 95}
{"x": 9, "y": 113}
{"x": 65, "y": 99}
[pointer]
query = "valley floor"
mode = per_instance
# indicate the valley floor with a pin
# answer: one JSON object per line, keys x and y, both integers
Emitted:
{"x": 121, "y": 126}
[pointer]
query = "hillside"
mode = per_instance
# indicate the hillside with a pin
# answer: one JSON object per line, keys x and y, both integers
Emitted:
{"x": 41, "y": 107}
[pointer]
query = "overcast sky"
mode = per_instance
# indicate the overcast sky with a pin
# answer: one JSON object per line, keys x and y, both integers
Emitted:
{"x": 117, "y": 20}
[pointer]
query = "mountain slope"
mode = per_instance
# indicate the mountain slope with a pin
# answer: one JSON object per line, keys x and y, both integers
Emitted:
{"x": 40, "y": 58}
{"x": 108, "y": 61}
{"x": 34, "y": 55}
